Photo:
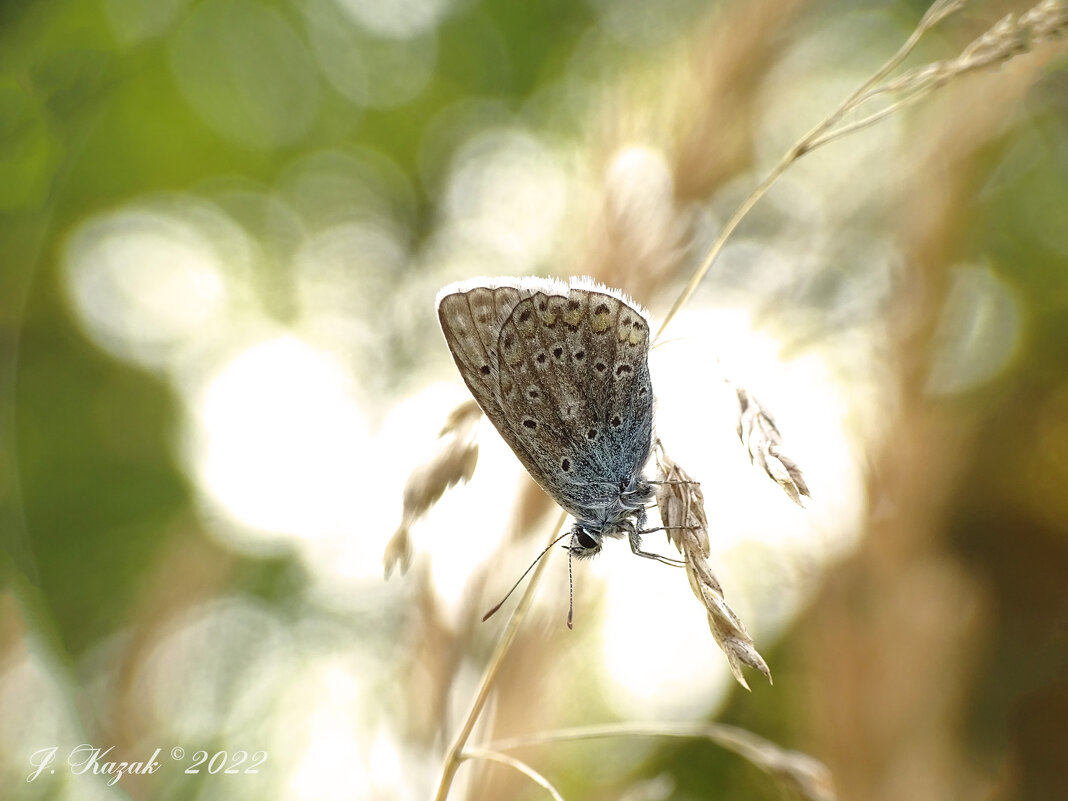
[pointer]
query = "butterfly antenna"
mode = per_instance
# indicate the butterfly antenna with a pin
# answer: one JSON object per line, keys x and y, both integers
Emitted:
{"x": 493, "y": 611}
{"x": 570, "y": 591}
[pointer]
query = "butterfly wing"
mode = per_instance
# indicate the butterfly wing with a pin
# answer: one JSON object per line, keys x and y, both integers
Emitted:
{"x": 471, "y": 315}
{"x": 562, "y": 372}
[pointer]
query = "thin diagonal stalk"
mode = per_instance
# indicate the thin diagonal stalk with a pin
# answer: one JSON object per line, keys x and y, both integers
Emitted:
{"x": 866, "y": 122}
{"x": 454, "y": 755}
{"x": 806, "y": 144}
{"x": 512, "y": 762}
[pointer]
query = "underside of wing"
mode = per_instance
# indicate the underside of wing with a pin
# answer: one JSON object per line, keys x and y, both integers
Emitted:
{"x": 471, "y": 321}
{"x": 561, "y": 370}
{"x": 574, "y": 378}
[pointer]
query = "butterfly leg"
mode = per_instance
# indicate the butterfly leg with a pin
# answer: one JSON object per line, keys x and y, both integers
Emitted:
{"x": 635, "y": 538}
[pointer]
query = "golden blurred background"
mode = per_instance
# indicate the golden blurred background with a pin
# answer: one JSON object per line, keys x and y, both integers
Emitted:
{"x": 224, "y": 223}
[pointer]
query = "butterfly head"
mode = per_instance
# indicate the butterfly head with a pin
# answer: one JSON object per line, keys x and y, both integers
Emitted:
{"x": 585, "y": 541}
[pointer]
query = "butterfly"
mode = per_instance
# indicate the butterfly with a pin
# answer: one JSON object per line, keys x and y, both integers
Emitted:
{"x": 562, "y": 372}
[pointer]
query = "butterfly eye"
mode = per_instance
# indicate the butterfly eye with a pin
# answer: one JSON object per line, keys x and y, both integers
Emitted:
{"x": 586, "y": 541}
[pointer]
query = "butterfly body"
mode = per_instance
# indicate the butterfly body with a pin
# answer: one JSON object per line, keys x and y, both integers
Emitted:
{"x": 561, "y": 370}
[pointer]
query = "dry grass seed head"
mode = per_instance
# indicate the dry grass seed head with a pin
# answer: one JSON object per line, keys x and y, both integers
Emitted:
{"x": 1011, "y": 36}
{"x": 682, "y": 510}
{"x": 453, "y": 462}
{"x": 757, "y": 430}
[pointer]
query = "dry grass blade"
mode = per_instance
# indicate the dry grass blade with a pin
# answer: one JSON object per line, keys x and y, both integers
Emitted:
{"x": 809, "y": 777}
{"x": 454, "y": 462}
{"x": 761, "y": 437}
{"x": 512, "y": 762}
{"x": 682, "y": 510}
